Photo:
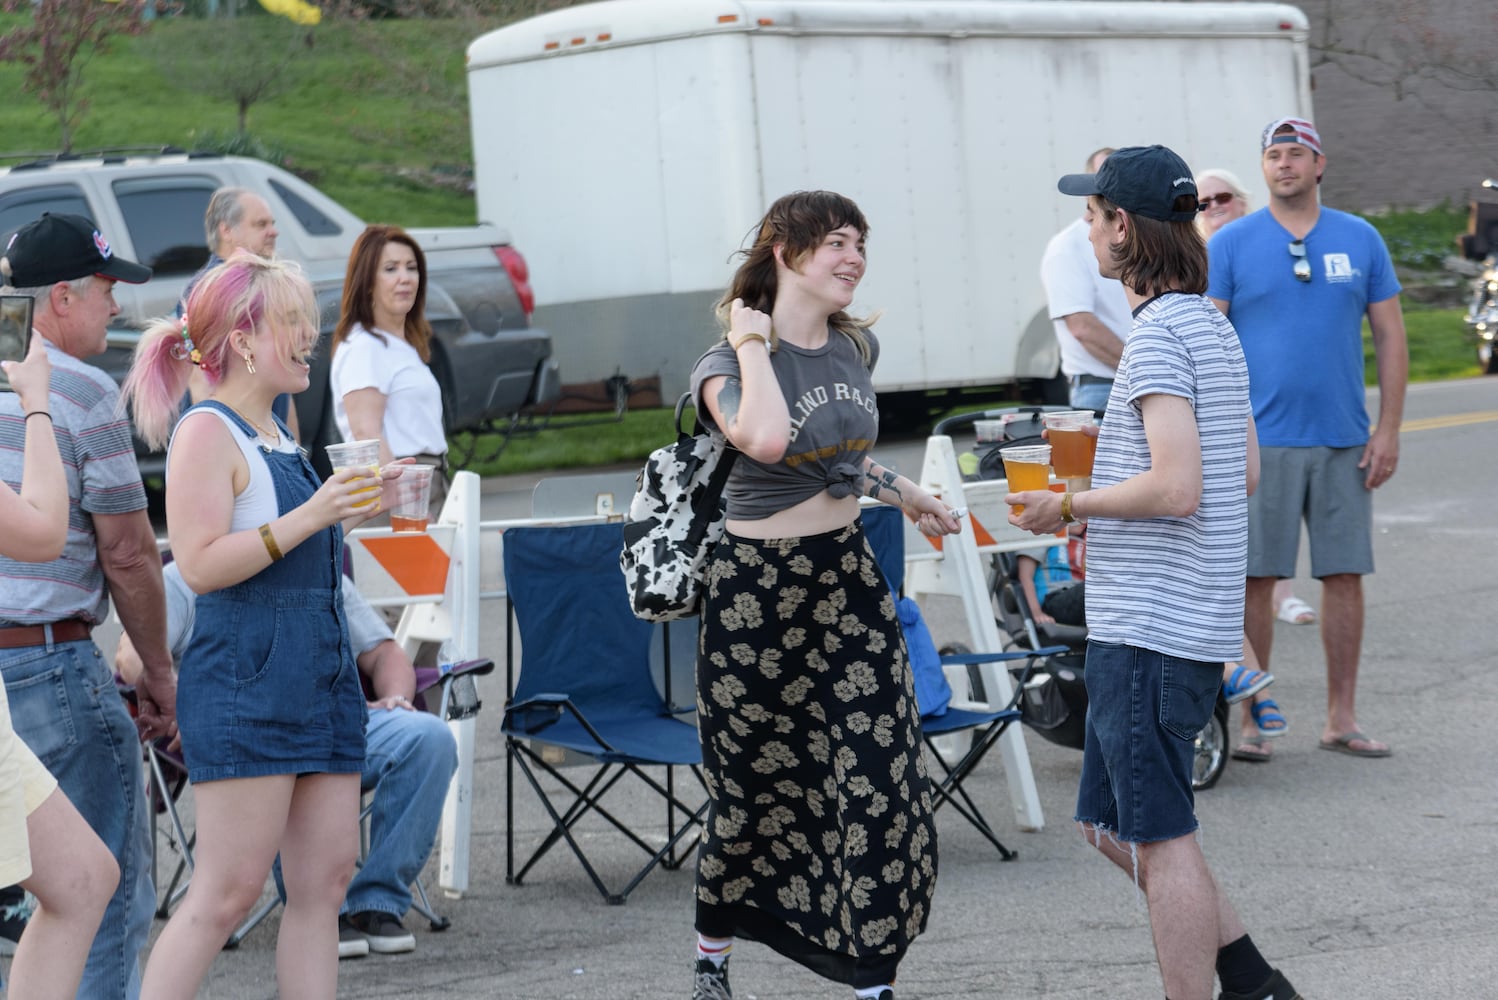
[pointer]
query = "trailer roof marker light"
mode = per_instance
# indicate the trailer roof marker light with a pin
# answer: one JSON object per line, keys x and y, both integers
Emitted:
{"x": 552, "y": 46}
{"x": 607, "y": 36}
{"x": 1286, "y": 26}
{"x": 580, "y": 40}
{"x": 727, "y": 18}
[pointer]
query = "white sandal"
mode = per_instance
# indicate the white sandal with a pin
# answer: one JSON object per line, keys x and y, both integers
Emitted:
{"x": 1296, "y": 611}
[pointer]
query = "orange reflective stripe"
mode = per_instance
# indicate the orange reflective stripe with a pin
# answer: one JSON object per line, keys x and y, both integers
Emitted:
{"x": 414, "y": 561}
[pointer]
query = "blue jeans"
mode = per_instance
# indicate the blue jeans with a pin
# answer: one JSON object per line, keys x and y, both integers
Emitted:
{"x": 1092, "y": 396}
{"x": 64, "y": 705}
{"x": 409, "y": 760}
{"x": 1144, "y": 711}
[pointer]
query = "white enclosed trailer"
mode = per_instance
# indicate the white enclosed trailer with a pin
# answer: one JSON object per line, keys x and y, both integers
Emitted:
{"x": 630, "y": 146}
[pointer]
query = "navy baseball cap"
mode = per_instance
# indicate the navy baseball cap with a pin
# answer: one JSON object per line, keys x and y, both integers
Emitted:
{"x": 61, "y": 248}
{"x": 1144, "y": 180}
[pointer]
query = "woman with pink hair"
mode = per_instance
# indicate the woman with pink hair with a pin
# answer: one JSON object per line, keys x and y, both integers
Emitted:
{"x": 269, "y": 706}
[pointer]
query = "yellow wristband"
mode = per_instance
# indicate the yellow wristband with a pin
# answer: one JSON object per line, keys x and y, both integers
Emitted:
{"x": 748, "y": 337}
{"x": 1066, "y": 514}
{"x": 270, "y": 543}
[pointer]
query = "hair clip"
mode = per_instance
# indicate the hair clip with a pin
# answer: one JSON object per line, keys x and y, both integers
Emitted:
{"x": 185, "y": 351}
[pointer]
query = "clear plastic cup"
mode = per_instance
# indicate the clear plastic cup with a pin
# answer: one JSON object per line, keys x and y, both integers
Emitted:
{"x": 356, "y": 455}
{"x": 988, "y": 431}
{"x": 1072, "y": 447}
{"x": 409, "y": 497}
{"x": 1027, "y": 467}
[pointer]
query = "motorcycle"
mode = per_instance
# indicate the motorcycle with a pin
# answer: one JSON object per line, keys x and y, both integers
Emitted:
{"x": 1482, "y": 312}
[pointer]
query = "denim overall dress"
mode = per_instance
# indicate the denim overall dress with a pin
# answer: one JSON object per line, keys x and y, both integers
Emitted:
{"x": 268, "y": 683}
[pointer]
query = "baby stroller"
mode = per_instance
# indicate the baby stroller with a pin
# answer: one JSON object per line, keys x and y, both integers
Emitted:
{"x": 1055, "y": 697}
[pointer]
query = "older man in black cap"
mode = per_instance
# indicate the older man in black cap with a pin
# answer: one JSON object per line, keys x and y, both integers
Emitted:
{"x": 62, "y": 695}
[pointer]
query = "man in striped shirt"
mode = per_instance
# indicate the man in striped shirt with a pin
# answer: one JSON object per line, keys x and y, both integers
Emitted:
{"x": 1167, "y": 540}
{"x": 62, "y": 695}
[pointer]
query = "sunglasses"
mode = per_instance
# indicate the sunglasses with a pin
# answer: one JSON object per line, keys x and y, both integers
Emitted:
{"x": 1217, "y": 199}
{"x": 1302, "y": 266}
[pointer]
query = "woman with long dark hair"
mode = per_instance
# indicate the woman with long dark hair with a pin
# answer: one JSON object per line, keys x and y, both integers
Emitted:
{"x": 381, "y": 385}
{"x": 819, "y": 841}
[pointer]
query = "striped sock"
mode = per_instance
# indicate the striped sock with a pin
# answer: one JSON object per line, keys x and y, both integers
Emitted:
{"x": 715, "y": 950}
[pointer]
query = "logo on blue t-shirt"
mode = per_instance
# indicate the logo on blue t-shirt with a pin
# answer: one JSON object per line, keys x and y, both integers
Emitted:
{"x": 1338, "y": 267}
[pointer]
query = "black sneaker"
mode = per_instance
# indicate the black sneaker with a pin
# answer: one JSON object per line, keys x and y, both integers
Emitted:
{"x": 711, "y": 981}
{"x": 384, "y": 932}
{"x": 351, "y": 943}
{"x": 1276, "y": 988}
{"x": 15, "y": 910}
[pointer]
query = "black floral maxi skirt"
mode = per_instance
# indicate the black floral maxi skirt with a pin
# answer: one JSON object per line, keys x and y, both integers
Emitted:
{"x": 820, "y": 840}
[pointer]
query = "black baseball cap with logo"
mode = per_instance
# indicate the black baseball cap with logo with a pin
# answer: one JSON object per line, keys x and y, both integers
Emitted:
{"x": 62, "y": 248}
{"x": 1145, "y": 180}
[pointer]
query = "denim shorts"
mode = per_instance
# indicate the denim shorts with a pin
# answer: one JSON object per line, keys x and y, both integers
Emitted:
{"x": 1144, "y": 711}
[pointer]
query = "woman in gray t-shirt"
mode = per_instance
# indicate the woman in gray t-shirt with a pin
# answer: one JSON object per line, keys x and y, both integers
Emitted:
{"x": 820, "y": 841}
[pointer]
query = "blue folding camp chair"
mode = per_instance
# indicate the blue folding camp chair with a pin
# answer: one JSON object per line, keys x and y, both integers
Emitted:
{"x": 585, "y": 687}
{"x": 885, "y": 529}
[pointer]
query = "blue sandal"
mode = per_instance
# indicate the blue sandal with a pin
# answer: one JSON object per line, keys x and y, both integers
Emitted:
{"x": 1245, "y": 682}
{"x": 1266, "y": 712}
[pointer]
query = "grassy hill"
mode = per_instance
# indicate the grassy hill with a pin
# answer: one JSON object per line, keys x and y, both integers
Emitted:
{"x": 376, "y": 112}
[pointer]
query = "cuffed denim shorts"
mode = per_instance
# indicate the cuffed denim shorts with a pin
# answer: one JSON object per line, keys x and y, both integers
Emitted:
{"x": 1144, "y": 711}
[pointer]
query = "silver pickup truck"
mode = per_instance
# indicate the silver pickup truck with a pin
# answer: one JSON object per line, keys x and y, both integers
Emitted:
{"x": 486, "y": 356}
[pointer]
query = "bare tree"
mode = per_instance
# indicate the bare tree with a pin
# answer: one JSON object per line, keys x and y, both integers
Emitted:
{"x": 56, "y": 46}
{"x": 1408, "y": 46}
{"x": 243, "y": 60}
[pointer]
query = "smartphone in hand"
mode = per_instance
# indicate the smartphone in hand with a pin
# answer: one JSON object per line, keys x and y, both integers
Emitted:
{"x": 15, "y": 331}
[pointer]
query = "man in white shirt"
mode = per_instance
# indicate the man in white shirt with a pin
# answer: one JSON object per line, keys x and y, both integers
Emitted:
{"x": 1089, "y": 311}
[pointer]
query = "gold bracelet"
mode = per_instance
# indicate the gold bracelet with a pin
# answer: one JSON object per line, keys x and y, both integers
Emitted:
{"x": 270, "y": 543}
{"x": 1066, "y": 514}
{"x": 748, "y": 337}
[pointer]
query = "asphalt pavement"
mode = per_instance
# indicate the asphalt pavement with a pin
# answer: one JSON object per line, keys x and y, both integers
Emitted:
{"x": 1368, "y": 879}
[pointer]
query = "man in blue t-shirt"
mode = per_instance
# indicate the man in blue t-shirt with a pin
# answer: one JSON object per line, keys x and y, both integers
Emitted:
{"x": 1296, "y": 280}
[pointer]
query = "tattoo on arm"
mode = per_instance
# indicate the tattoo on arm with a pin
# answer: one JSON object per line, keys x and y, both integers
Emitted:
{"x": 882, "y": 480}
{"x": 730, "y": 398}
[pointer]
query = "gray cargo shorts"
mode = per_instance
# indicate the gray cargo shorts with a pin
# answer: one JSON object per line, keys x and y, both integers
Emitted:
{"x": 1324, "y": 487}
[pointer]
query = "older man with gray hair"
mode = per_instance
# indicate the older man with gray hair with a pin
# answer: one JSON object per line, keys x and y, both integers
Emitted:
{"x": 239, "y": 219}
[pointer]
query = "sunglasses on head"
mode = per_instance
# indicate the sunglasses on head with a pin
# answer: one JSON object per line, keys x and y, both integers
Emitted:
{"x": 1216, "y": 199}
{"x": 1302, "y": 266}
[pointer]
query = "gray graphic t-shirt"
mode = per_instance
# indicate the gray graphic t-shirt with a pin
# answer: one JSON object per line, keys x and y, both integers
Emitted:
{"x": 834, "y": 423}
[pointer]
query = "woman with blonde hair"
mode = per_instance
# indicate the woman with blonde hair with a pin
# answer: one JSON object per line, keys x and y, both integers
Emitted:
{"x": 268, "y": 700}
{"x": 1223, "y": 198}
{"x": 819, "y": 840}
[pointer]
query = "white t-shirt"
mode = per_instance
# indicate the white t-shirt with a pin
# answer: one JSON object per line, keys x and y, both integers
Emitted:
{"x": 257, "y": 504}
{"x": 1072, "y": 285}
{"x": 413, "y": 400}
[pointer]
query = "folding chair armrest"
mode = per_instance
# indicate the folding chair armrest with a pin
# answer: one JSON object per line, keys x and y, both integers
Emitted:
{"x": 429, "y": 677}
{"x": 1030, "y": 656}
{"x": 965, "y": 659}
{"x": 549, "y": 707}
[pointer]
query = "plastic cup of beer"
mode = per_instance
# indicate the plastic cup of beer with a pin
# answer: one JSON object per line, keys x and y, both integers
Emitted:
{"x": 412, "y": 493}
{"x": 1027, "y": 467}
{"x": 357, "y": 455}
{"x": 1072, "y": 447}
